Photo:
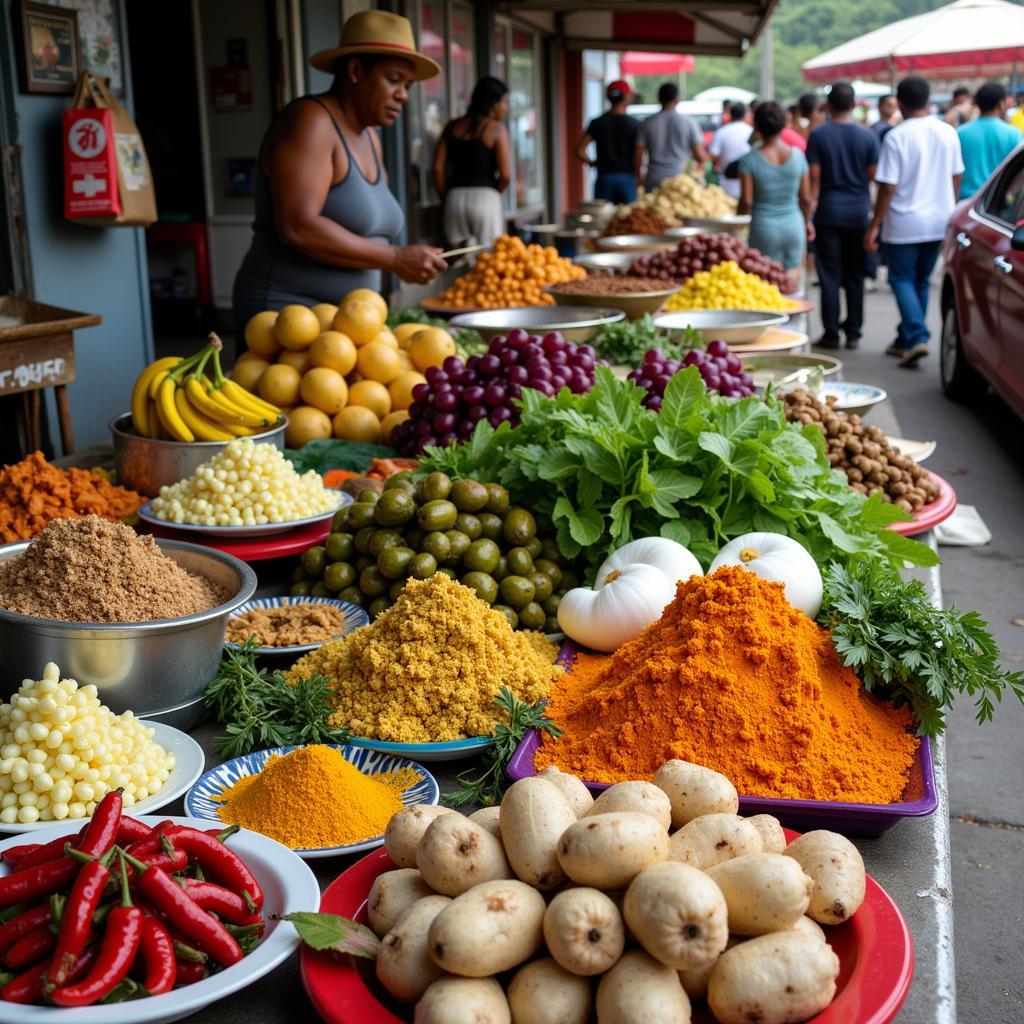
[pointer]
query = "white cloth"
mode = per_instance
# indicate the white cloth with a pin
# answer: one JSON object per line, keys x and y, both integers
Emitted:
{"x": 729, "y": 143}
{"x": 919, "y": 156}
{"x": 473, "y": 216}
{"x": 964, "y": 528}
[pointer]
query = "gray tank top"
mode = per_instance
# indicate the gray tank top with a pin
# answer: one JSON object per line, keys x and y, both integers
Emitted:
{"x": 274, "y": 274}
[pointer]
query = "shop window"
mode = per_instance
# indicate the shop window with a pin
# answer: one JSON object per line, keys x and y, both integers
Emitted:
{"x": 433, "y": 95}
{"x": 524, "y": 119}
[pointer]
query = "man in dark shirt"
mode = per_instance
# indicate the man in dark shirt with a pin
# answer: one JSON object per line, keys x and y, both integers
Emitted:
{"x": 616, "y": 137}
{"x": 888, "y": 114}
{"x": 842, "y": 156}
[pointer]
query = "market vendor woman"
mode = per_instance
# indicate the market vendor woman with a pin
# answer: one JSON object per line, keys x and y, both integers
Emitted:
{"x": 325, "y": 220}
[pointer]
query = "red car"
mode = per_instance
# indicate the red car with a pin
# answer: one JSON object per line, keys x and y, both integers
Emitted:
{"x": 983, "y": 291}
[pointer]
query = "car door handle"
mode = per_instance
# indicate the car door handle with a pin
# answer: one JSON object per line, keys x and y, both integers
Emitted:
{"x": 1003, "y": 265}
{"x": 962, "y": 240}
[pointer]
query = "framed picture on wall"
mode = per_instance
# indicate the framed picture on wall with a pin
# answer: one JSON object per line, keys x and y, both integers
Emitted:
{"x": 50, "y": 52}
{"x": 100, "y": 31}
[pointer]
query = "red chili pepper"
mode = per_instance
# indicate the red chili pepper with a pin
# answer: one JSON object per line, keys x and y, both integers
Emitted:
{"x": 15, "y": 854}
{"x": 171, "y": 863}
{"x": 157, "y": 949}
{"x": 28, "y": 987}
{"x": 101, "y": 832}
{"x": 224, "y": 864}
{"x": 76, "y": 921}
{"x": 30, "y": 884}
{"x": 227, "y": 905}
{"x": 184, "y": 914}
{"x": 50, "y": 851}
{"x": 152, "y": 841}
{"x": 30, "y": 948}
{"x": 131, "y": 830}
{"x": 21, "y": 925}
{"x": 189, "y": 973}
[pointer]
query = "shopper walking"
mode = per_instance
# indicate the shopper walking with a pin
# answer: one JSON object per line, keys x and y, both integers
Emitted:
{"x": 987, "y": 140}
{"x": 670, "y": 139}
{"x": 842, "y": 156}
{"x": 775, "y": 189}
{"x": 729, "y": 143}
{"x": 473, "y": 166}
{"x": 918, "y": 176}
{"x": 888, "y": 116}
{"x": 615, "y": 136}
{"x": 959, "y": 110}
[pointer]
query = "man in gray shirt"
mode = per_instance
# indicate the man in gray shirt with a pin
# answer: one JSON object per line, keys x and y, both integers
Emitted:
{"x": 670, "y": 139}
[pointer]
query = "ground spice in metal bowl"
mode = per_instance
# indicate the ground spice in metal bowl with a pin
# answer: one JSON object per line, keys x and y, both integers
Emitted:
{"x": 93, "y": 570}
{"x": 291, "y": 625}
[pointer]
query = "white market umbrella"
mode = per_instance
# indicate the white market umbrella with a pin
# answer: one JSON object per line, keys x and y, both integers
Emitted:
{"x": 975, "y": 38}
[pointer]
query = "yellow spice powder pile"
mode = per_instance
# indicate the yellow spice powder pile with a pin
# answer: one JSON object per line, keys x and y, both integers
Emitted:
{"x": 428, "y": 669}
{"x": 313, "y": 797}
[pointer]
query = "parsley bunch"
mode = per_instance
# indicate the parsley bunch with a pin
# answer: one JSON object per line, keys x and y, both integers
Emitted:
{"x": 888, "y": 630}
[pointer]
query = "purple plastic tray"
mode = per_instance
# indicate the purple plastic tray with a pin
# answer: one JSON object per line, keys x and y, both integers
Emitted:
{"x": 851, "y": 819}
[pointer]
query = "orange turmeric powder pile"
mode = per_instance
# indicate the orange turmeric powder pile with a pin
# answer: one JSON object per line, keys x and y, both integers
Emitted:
{"x": 734, "y": 678}
{"x": 32, "y": 493}
{"x": 312, "y": 798}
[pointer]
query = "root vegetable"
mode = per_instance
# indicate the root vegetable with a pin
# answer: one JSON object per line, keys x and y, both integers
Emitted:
{"x": 678, "y": 914}
{"x": 773, "y": 838}
{"x": 542, "y": 992}
{"x": 807, "y": 926}
{"x": 608, "y": 851}
{"x": 405, "y": 830}
{"x": 837, "y": 868}
{"x": 492, "y": 928}
{"x": 712, "y": 839}
{"x": 695, "y": 981}
{"x": 644, "y": 797}
{"x": 455, "y": 854}
{"x": 694, "y": 790}
{"x": 774, "y": 979}
{"x": 579, "y": 797}
{"x": 583, "y": 931}
{"x": 765, "y": 892}
{"x": 534, "y": 814}
{"x": 488, "y": 818}
{"x": 639, "y": 990}
{"x": 391, "y": 895}
{"x": 463, "y": 1001}
{"x": 404, "y": 964}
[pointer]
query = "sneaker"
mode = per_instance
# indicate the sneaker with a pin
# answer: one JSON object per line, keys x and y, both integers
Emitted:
{"x": 898, "y": 348}
{"x": 870, "y": 285}
{"x": 913, "y": 354}
{"x": 826, "y": 342}
{"x": 853, "y": 343}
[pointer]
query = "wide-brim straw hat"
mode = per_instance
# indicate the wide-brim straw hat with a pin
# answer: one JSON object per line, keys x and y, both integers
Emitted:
{"x": 377, "y": 32}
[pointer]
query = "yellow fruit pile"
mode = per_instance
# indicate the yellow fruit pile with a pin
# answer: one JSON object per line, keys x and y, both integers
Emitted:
{"x": 337, "y": 370}
{"x": 726, "y": 286}
{"x": 512, "y": 274}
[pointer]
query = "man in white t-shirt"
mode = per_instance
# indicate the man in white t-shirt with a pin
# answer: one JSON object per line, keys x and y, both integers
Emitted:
{"x": 729, "y": 143}
{"x": 918, "y": 178}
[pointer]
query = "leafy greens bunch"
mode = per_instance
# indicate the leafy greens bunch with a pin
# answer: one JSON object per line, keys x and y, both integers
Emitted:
{"x": 599, "y": 470}
{"x": 625, "y": 342}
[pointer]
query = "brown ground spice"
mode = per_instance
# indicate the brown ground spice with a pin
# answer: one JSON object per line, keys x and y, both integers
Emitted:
{"x": 92, "y": 570}
{"x": 288, "y": 626}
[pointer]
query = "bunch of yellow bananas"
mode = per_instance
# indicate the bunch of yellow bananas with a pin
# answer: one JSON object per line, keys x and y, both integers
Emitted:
{"x": 173, "y": 399}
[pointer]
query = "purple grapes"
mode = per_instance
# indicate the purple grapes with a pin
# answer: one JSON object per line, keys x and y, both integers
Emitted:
{"x": 720, "y": 369}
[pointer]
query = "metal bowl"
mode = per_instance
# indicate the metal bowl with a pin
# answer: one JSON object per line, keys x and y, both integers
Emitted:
{"x": 855, "y": 399}
{"x": 735, "y": 325}
{"x": 677, "y": 233}
{"x": 575, "y": 323}
{"x": 145, "y": 464}
{"x": 634, "y": 243}
{"x": 774, "y": 367}
{"x": 158, "y": 669}
{"x": 597, "y": 207}
{"x": 634, "y": 305}
{"x": 732, "y": 225}
{"x": 608, "y": 262}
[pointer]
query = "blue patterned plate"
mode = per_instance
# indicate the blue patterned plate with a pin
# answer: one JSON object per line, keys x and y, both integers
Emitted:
{"x": 355, "y": 617}
{"x": 203, "y": 799}
{"x": 430, "y": 752}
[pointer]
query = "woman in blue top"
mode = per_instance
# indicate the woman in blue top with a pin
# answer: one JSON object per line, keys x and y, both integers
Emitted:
{"x": 775, "y": 189}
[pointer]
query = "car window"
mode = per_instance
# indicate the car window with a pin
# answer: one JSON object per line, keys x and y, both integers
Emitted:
{"x": 1004, "y": 198}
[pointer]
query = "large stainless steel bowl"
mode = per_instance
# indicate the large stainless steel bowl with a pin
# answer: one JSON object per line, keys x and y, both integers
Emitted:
{"x": 633, "y": 304}
{"x": 574, "y": 323}
{"x": 686, "y": 232}
{"x": 635, "y": 243}
{"x": 158, "y": 669}
{"x": 145, "y": 464}
{"x": 607, "y": 262}
{"x": 731, "y": 325}
{"x": 776, "y": 367}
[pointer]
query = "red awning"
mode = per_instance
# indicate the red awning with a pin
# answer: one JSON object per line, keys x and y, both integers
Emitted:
{"x": 656, "y": 63}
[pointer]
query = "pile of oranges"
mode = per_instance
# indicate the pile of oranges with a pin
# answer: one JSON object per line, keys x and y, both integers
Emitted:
{"x": 337, "y": 371}
{"x": 512, "y": 274}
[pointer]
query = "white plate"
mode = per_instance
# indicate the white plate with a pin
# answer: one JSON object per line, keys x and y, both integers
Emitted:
{"x": 916, "y": 450}
{"x": 288, "y": 886}
{"x": 266, "y": 530}
{"x": 189, "y": 762}
{"x": 431, "y": 752}
{"x": 204, "y": 797}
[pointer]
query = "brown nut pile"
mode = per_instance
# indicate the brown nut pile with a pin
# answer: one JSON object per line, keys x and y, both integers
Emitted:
{"x": 638, "y": 222}
{"x": 864, "y": 454}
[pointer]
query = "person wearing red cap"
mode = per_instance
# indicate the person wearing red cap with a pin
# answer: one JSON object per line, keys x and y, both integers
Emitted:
{"x": 616, "y": 137}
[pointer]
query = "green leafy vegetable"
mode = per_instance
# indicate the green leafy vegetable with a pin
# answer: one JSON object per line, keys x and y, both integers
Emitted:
{"x": 600, "y": 469}
{"x": 897, "y": 641}
{"x": 325, "y": 455}
{"x": 331, "y": 931}
{"x": 261, "y": 709}
{"x": 486, "y": 789}
{"x": 625, "y": 342}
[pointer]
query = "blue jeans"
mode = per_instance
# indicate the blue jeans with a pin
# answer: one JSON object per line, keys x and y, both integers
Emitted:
{"x": 616, "y": 188}
{"x": 910, "y": 266}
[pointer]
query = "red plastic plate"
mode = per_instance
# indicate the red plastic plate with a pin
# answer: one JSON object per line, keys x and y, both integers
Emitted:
{"x": 875, "y": 950}
{"x": 935, "y": 512}
{"x": 255, "y": 549}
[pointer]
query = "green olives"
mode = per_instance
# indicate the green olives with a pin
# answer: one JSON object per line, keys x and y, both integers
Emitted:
{"x": 298, "y": 573}
{"x": 534, "y": 546}
{"x": 437, "y": 515}
{"x": 360, "y": 515}
{"x": 519, "y": 526}
{"x": 549, "y": 550}
{"x": 340, "y": 547}
{"x": 400, "y": 481}
{"x": 516, "y": 591}
{"x": 438, "y": 545}
{"x": 458, "y": 544}
{"x": 300, "y": 589}
{"x": 448, "y": 571}
{"x": 550, "y": 604}
{"x": 314, "y": 560}
{"x": 551, "y": 624}
{"x": 434, "y": 487}
{"x": 509, "y": 613}
{"x": 372, "y": 583}
{"x": 467, "y": 523}
{"x": 339, "y": 521}
{"x": 363, "y": 561}
{"x": 363, "y": 538}
{"x": 383, "y": 539}
{"x": 501, "y": 569}
{"x": 497, "y": 499}
{"x": 394, "y": 563}
{"x": 394, "y": 508}
{"x": 542, "y": 586}
{"x": 531, "y": 616}
{"x": 395, "y": 589}
{"x": 482, "y": 556}
{"x": 368, "y": 496}
{"x": 319, "y": 590}
{"x": 423, "y": 566}
{"x": 469, "y": 496}
{"x": 490, "y": 525}
{"x": 546, "y": 566}
{"x": 378, "y": 605}
{"x": 520, "y": 562}
{"x": 353, "y": 595}
{"x": 339, "y": 575}
{"x": 483, "y": 585}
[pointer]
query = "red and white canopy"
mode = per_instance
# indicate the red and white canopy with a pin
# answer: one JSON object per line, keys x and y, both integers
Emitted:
{"x": 656, "y": 63}
{"x": 967, "y": 39}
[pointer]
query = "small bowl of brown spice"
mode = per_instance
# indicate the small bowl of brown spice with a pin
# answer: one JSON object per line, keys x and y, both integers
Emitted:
{"x": 292, "y": 625}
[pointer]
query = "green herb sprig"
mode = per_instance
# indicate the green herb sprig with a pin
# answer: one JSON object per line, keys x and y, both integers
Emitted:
{"x": 898, "y": 642}
{"x": 486, "y": 789}
{"x": 624, "y": 343}
{"x": 261, "y": 709}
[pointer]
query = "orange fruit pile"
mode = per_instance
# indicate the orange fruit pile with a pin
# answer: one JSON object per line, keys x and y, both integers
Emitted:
{"x": 512, "y": 274}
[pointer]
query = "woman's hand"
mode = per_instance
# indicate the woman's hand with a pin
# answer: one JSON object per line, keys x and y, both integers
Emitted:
{"x": 418, "y": 264}
{"x": 810, "y": 231}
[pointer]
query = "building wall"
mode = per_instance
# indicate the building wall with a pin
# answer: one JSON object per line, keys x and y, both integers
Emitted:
{"x": 95, "y": 270}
